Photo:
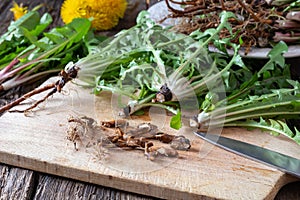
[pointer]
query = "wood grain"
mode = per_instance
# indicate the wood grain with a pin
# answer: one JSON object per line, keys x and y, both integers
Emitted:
{"x": 38, "y": 142}
{"x": 16, "y": 183}
{"x": 59, "y": 188}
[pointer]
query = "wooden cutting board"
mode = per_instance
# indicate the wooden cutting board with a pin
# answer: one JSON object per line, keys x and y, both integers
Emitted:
{"x": 38, "y": 142}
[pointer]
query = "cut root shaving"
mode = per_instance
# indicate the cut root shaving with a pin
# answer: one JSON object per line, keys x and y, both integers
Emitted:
{"x": 118, "y": 134}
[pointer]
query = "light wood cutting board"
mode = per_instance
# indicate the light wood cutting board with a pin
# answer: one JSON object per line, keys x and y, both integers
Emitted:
{"x": 38, "y": 142}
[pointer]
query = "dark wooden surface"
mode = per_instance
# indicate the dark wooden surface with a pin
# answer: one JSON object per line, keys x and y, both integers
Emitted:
{"x": 22, "y": 184}
{"x": 18, "y": 183}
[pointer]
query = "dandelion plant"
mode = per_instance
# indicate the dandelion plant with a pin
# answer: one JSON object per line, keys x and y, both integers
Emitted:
{"x": 148, "y": 65}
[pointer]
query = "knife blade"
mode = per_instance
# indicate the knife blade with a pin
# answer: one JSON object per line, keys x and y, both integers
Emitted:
{"x": 282, "y": 162}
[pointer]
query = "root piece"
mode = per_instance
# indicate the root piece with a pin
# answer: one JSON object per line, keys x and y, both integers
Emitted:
{"x": 146, "y": 136}
{"x": 26, "y": 96}
{"x": 65, "y": 76}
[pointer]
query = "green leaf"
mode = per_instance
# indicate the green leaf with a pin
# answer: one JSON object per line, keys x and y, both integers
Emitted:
{"x": 239, "y": 61}
{"x": 14, "y": 36}
{"x": 28, "y": 21}
{"x": 55, "y": 37}
{"x": 32, "y": 38}
{"x": 81, "y": 27}
{"x": 275, "y": 127}
{"x": 225, "y": 15}
{"x": 241, "y": 41}
{"x": 210, "y": 32}
{"x": 61, "y": 38}
{"x": 53, "y": 50}
{"x": 176, "y": 121}
{"x": 143, "y": 20}
{"x": 139, "y": 113}
{"x": 45, "y": 21}
{"x": 276, "y": 57}
{"x": 280, "y": 48}
{"x": 297, "y": 135}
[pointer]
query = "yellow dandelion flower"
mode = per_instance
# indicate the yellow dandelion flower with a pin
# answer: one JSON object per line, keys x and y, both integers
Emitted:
{"x": 18, "y": 11}
{"x": 105, "y": 13}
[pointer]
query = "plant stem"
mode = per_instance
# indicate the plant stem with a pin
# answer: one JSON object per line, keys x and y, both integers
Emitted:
{"x": 26, "y": 96}
{"x": 251, "y": 116}
{"x": 259, "y": 126}
{"x": 159, "y": 105}
{"x": 9, "y": 67}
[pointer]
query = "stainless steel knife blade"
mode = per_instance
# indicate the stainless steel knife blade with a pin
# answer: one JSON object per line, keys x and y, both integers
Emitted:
{"x": 282, "y": 162}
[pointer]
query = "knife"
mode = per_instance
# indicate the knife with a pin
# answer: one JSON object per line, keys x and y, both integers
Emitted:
{"x": 268, "y": 157}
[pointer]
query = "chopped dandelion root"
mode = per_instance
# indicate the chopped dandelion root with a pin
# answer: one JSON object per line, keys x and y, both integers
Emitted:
{"x": 146, "y": 137}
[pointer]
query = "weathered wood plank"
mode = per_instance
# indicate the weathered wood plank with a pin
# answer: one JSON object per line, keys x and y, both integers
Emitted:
{"x": 16, "y": 183}
{"x": 46, "y": 185}
{"x": 22, "y": 184}
{"x": 51, "y": 187}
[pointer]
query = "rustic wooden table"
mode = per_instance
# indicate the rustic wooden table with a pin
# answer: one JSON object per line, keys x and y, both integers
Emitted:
{"x": 18, "y": 183}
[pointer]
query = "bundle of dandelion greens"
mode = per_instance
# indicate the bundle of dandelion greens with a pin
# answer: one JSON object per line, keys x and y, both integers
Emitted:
{"x": 136, "y": 64}
{"x": 29, "y": 54}
{"x": 154, "y": 66}
{"x": 260, "y": 102}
